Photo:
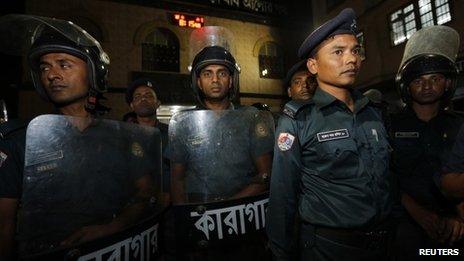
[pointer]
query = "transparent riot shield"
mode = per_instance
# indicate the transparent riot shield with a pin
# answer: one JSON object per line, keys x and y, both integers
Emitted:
{"x": 220, "y": 169}
{"x": 91, "y": 190}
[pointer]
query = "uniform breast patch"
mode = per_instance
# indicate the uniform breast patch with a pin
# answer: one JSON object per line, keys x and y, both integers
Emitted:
{"x": 285, "y": 141}
{"x": 407, "y": 134}
{"x": 333, "y": 135}
{"x": 137, "y": 150}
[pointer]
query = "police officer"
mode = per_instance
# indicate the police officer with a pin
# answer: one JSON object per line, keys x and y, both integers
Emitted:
{"x": 422, "y": 135}
{"x": 12, "y": 142}
{"x": 215, "y": 81}
{"x": 330, "y": 160}
{"x": 70, "y": 73}
{"x": 299, "y": 82}
{"x": 142, "y": 98}
{"x": 219, "y": 152}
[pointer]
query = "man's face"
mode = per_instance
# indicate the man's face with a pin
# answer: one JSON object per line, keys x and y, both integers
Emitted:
{"x": 337, "y": 61}
{"x": 215, "y": 81}
{"x": 64, "y": 77}
{"x": 428, "y": 88}
{"x": 144, "y": 101}
{"x": 302, "y": 86}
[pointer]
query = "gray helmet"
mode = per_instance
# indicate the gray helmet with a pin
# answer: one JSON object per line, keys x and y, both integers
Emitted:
{"x": 214, "y": 55}
{"x": 41, "y": 35}
{"x": 432, "y": 49}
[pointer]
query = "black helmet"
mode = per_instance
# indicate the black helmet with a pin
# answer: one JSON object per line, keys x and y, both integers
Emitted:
{"x": 426, "y": 64}
{"x": 48, "y": 40}
{"x": 214, "y": 55}
{"x": 261, "y": 106}
{"x": 41, "y": 35}
{"x": 432, "y": 49}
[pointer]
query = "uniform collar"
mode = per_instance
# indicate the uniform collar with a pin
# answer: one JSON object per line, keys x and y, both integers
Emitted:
{"x": 323, "y": 99}
{"x": 409, "y": 112}
{"x": 200, "y": 106}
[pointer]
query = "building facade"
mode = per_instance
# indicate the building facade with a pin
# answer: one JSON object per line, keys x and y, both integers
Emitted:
{"x": 151, "y": 39}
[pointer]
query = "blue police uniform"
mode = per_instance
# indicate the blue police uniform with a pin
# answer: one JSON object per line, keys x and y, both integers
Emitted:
{"x": 79, "y": 178}
{"x": 234, "y": 168}
{"x": 329, "y": 173}
{"x": 330, "y": 166}
{"x": 454, "y": 162}
{"x": 419, "y": 150}
{"x": 12, "y": 142}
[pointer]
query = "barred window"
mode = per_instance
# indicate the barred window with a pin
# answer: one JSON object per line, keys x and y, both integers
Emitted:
{"x": 160, "y": 51}
{"x": 416, "y": 15}
{"x": 426, "y": 14}
{"x": 271, "y": 61}
{"x": 442, "y": 11}
{"x": 403, "y": 24}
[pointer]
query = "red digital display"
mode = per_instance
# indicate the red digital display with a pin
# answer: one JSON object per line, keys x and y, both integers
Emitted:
{"x": 184, "y": 20}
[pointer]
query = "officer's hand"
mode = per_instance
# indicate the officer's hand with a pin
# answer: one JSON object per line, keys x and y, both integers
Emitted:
{"x": 433, "y": 226}
{"x": 453, "y": 230}
{"x": 89, "y": 233}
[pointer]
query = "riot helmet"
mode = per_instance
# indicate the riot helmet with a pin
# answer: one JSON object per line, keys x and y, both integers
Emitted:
{"x": 430, "y": 50}
{"x": 42, "y": 35}
{"x": 212, "y": 45}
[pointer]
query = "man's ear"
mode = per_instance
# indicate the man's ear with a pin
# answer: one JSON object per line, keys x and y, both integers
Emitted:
{"x": 199, "y": 85}
{"x": 131, "y": 105}
{"x": 312, "y": 66}
{"x": 157, "y": 104}
{"x": 231, "y": 82}
{"x": 448, "y": 84}
{"x": 289, "y": 93}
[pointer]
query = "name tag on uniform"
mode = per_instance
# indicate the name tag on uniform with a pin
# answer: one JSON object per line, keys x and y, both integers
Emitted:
{"x": 333, "y": 135}
{"x": 407, "y": 134}
{"x": 46, "y": 157}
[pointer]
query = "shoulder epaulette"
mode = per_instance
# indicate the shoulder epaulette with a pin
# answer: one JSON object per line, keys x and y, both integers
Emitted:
{"x": 292, "y": 107}
{"x": 11, "y": 126}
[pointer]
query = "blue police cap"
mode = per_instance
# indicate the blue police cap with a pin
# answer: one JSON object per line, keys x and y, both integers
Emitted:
{"x": 299, "y": 66}
{"x": 135, "y": 84}
{"x": 343, "y": 23}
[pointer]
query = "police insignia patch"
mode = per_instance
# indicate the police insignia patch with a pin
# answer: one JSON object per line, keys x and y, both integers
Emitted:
{"x": 261, "y": 130}
{"x": 3, "y": 157}
{"x": 137, "y": 150}
{"x": 285, "y": 141}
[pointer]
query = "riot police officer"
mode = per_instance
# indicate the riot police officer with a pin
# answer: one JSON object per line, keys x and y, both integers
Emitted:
{"x": 69, "y": 69}
{"x": 330, "y": 160}
{"x": 62, "y": 73}
{"x": 215, "y": 81}
{"x": 422, "y": 135}
{"x": 220, "y": 156}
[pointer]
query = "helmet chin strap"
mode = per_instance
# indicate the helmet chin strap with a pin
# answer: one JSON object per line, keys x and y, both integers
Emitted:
{"x": 91, "y": 104}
